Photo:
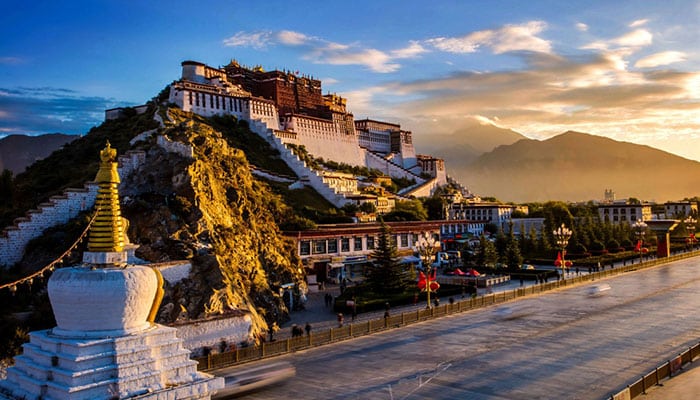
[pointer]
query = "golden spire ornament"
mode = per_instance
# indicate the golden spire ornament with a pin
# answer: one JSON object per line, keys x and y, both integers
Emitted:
{"x": 106, "y": 238}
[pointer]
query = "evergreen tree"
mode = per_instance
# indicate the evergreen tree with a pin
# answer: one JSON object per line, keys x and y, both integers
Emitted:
{"x": 513, "y": 259}
{"x": 487, "y": 254}
{"x": 512, "y": 256}
{"x": 387, "y": 274}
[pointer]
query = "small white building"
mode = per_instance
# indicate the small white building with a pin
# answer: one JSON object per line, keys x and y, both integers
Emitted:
{"x": 624, "y": 212}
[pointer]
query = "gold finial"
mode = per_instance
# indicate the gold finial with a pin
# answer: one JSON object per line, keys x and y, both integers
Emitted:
{"x": 107, "y": 232}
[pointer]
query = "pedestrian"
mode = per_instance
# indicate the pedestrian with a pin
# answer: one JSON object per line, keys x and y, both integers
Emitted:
{"x": 308, "y": 329}
{"x": 340, "y": 320}
{"x": 437, "y": 301}
{"x": 354, "y": 312}
{"x": 577, "y": 271}
{"x": 522, "y": 283}
{"x": 451, "y": 300}
{"x": 271, "y": 331}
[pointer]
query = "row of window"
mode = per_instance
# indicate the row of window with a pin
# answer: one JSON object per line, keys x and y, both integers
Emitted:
{"x": 343, "y": 245}
{"x": 262, "y": 108}
{"x": 215, "y": 102}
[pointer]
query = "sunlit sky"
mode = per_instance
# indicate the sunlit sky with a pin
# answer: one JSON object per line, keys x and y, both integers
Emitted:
{"x": 628, "y": 70}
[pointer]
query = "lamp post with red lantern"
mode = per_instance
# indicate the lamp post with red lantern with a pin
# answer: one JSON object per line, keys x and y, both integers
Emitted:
{"x": 690, "y": 227}
{"x": 425, "y": 246}
{"x": 640, "y": 229}
{"x": 562, "y": 236}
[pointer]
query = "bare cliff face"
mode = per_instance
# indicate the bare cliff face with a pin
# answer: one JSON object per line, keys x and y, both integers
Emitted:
{"x": 210, "y": 209}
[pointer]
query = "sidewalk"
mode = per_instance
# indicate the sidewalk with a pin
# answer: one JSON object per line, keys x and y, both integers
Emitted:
{"x": 685, "y": 386}
{"x": 321, "y": 317}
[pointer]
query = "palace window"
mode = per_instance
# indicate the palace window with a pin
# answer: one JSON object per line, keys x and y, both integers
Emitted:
{"x": 196, "y": 97}
{"x": 305, "y": 248}
{"x": 404, "y": 240}
{"x": 370, "y": 242}
{"x": 344, "y": 245}
{"x": 319, "y": 247}
{"x": 190, "y": 97}
{"x": 332, "y": 245}
{"x": 358, "y": 243}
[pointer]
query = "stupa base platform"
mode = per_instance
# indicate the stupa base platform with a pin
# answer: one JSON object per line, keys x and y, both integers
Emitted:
{"x": 151, "y": 364}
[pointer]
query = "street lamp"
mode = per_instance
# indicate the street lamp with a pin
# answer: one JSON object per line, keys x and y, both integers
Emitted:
{"x": 640, "y": 229}
{"x": 425, "y": 247}
{"x": 690, "y": 226}
{"x": 562, "y": 236}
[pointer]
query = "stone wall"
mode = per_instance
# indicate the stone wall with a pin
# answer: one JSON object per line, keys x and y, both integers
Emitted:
{"x": 199, "y": 334}
{"x": 58, "y": 210}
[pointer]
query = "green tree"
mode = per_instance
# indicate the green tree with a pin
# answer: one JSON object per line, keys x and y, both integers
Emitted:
{"x": 511, "y": 253}
{"x": 435, "y": 207}
{"x": 486, "y": 255}
{"x": 409, "y": 210}
{"x": 387, "y": 274}
{"x": 513, "y": 259}
{"x": 368, "y": 207}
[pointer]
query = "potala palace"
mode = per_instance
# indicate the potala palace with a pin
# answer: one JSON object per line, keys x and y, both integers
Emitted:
{"x": 293, "y": 109}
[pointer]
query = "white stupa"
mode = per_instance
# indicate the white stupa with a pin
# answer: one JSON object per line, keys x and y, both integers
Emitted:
{"x": 105, "y": 344}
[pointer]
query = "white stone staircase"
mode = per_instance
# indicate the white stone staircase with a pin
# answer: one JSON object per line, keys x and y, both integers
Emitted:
{"x": 307, "y": 176}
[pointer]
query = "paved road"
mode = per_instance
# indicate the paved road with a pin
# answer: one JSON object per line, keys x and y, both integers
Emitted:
{"x": 558, "y": 345}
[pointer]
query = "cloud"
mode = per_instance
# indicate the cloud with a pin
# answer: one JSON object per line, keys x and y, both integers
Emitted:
{"x": 659, "y": 59}
{"x": 593, "y": 93}
{"x": 638, "y": 22}
{"x": 256, "y": 40}
{"x": 636, "y": 38}
{"x": 37, "y": 110}
{"x": 631, "y": 41}
{"x": 292, "y": 38}
{"x": 321, "y": 51}
{"x": 582, "y": 27}
{"x": 510, "y": 38}
{"x": 413, "y": 50}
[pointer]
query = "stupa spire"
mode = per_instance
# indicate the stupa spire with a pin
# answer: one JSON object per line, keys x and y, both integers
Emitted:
{"x": 107, "y": 232}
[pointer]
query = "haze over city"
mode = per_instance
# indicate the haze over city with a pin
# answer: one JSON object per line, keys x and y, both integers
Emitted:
{"x": 627, "y": 70}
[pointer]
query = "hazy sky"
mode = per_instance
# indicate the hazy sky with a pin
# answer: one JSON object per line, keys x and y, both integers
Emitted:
{"x": 629, "y": 70}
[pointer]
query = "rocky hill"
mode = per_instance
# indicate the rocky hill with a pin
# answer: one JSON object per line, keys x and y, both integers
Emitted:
{"x": 17, "y": 152}
{"x": 211, "y": 210}
{"x": 578, "y": 167}
{"x": 208, "y": 209}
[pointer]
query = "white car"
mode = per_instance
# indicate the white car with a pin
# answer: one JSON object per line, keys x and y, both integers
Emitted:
{"x": 598, "y": 290}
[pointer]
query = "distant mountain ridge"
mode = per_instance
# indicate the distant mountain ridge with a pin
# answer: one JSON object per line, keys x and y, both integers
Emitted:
{"x": 577, "y": 166}
{"x": 465, "y": 144}
{"x": 17, "y": 152}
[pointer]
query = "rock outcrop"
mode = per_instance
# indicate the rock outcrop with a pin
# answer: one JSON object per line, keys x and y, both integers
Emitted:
{"x": 211, "y": 210}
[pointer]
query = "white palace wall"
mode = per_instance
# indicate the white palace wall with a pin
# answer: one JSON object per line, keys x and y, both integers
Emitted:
{"x": 58, "y": 210}
{"x": 307, "y": 176}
